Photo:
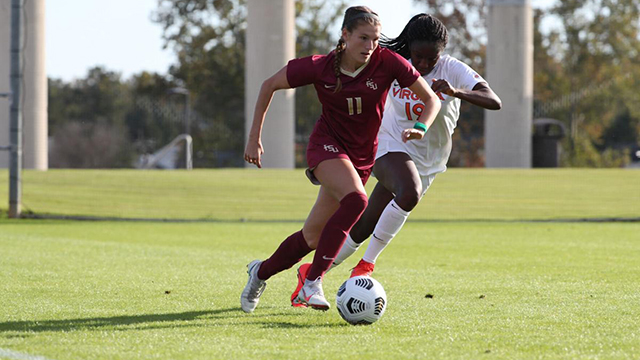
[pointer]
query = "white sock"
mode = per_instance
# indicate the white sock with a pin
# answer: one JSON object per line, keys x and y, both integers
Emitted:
{"x": 347, "y": 250}
{"x": 389, "y": 224}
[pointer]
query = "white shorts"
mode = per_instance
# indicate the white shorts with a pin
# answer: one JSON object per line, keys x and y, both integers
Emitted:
{"x": 387, "y": 145}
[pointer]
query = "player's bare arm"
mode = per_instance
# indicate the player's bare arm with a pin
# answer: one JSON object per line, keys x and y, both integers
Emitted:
{"x": 253, "y": 152}
{"x": 428, "y": 115}
{"x": 481, "y": 94}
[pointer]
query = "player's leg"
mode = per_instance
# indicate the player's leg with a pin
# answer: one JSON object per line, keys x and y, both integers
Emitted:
{"x": 378, "y": 200}
{"x": 290, "y": 251}
{"x": 397, "y": 172}
{"x": 343, "y": 183}
{"x": 325, "y": 206}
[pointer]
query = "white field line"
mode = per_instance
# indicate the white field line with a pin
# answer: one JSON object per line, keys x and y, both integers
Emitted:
{"x": 14, "y": 355}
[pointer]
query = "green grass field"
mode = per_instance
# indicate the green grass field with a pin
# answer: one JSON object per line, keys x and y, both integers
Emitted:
{"x": 458, "y": 194}
{"x": 503, "y": 286}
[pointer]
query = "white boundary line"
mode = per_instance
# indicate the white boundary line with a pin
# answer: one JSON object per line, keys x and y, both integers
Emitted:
{"x": 14, "y": 355}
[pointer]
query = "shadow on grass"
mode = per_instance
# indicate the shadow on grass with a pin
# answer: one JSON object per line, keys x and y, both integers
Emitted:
{"x": 100, "y": 322}
{"x": 287, "y": 325}
{"x": 150, "y": 321}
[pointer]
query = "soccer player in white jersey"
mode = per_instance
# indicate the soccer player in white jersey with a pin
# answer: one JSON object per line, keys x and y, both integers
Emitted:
{"x": 406, "y": 169}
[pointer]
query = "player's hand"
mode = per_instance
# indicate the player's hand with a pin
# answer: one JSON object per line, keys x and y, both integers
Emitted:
{"x": 443, "y": 86}
{"x": 412, "y": 134}
{"x": 253, "y": 153}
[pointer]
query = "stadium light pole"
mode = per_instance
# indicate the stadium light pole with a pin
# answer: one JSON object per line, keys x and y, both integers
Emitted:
{"x": 187, "y": 106}
{"x": 15, "y": 167}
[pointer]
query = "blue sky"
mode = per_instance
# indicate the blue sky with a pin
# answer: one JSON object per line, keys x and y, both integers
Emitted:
{"x": 119, "y": 35}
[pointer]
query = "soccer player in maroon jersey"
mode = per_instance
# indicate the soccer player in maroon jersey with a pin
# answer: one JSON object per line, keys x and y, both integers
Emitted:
{"x": 406, "y": 170}
{"x": 352, "y": 83}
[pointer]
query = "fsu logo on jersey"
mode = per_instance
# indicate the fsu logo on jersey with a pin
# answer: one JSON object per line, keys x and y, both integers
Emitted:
{"x": 331, "y": 148}
{"x": 372, "y": 85}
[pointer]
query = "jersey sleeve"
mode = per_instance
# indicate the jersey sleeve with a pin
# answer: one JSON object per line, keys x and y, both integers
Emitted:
{"x": 302, "y": 71}
{"x": 402, "y": 70}
{"x": 465, "y": 77}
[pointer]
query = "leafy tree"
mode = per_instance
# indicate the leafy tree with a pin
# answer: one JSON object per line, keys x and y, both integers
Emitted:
{"x": 598, "y": 50}
{"x": 86, "y": 121}
{"x": 94, "y": 98}
{"x": 155, "y": 117}
{"x": 104, "y": 121}
{"x": 151, "y": 84}
{"x": 209, "y": 39}
{"x": 585, "y": 71}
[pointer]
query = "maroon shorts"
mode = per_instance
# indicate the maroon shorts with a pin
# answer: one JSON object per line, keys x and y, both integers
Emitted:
{"x": 317, "y": 153}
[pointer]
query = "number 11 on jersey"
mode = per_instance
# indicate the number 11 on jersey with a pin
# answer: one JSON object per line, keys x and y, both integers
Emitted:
{"x": 358, "y": 105}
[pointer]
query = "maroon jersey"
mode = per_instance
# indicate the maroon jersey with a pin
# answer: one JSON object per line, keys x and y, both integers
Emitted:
{"x": 352, "y": 116}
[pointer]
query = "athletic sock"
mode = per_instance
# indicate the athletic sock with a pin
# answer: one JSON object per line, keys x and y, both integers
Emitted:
{"x": 289, "y": 253}
{"x": 335, "y": 232}
{"x": 347, "y": 249}
{"x": 389, "y": 224}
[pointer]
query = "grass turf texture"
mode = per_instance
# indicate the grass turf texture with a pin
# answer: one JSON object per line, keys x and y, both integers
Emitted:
{"x": 115, "y": 290}
{"x": 501, "y": 290}
{"x": 276, "y": 195}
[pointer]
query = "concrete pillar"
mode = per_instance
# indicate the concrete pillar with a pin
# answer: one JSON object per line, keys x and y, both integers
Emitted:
{"x": 510, "y": 73}
{"x": 35, "y": 153}
{"x": 35, "y": 149}
{"x": 270, "y": 45}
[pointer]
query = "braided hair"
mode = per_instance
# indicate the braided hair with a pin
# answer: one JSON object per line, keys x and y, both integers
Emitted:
{"x": 422, "y": 27}
{"x": 353, "y": 17}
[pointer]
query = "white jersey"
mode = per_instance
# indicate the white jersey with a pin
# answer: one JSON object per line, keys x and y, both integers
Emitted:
{"x": 403, "y": 108}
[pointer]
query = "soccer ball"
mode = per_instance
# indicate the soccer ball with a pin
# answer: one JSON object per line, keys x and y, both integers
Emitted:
{"x": 361, "y": 300}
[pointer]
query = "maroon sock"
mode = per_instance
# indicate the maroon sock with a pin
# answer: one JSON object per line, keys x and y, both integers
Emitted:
{"x": 289, "y": 253}
{"x": 335, "y": 232}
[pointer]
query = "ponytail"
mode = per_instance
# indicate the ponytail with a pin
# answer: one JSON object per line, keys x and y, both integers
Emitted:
{"x": 336, "y": 64}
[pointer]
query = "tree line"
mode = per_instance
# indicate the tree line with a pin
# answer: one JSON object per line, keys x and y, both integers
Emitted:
{"x": 586, "y": 71}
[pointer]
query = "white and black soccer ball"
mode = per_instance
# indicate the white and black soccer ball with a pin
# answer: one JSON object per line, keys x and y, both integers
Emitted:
{"x": 361, "y": 300}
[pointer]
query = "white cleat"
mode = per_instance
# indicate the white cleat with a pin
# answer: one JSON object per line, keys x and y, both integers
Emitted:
{"x": 312, "y": 295}
{"x": 254, "y": 288}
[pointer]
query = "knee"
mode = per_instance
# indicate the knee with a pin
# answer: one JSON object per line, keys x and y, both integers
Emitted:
{"x": 407, "y": 198}
{"x": 311, "y": 237}
{"x": 356, "y": 202}
{"x": 361, "y": 231}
